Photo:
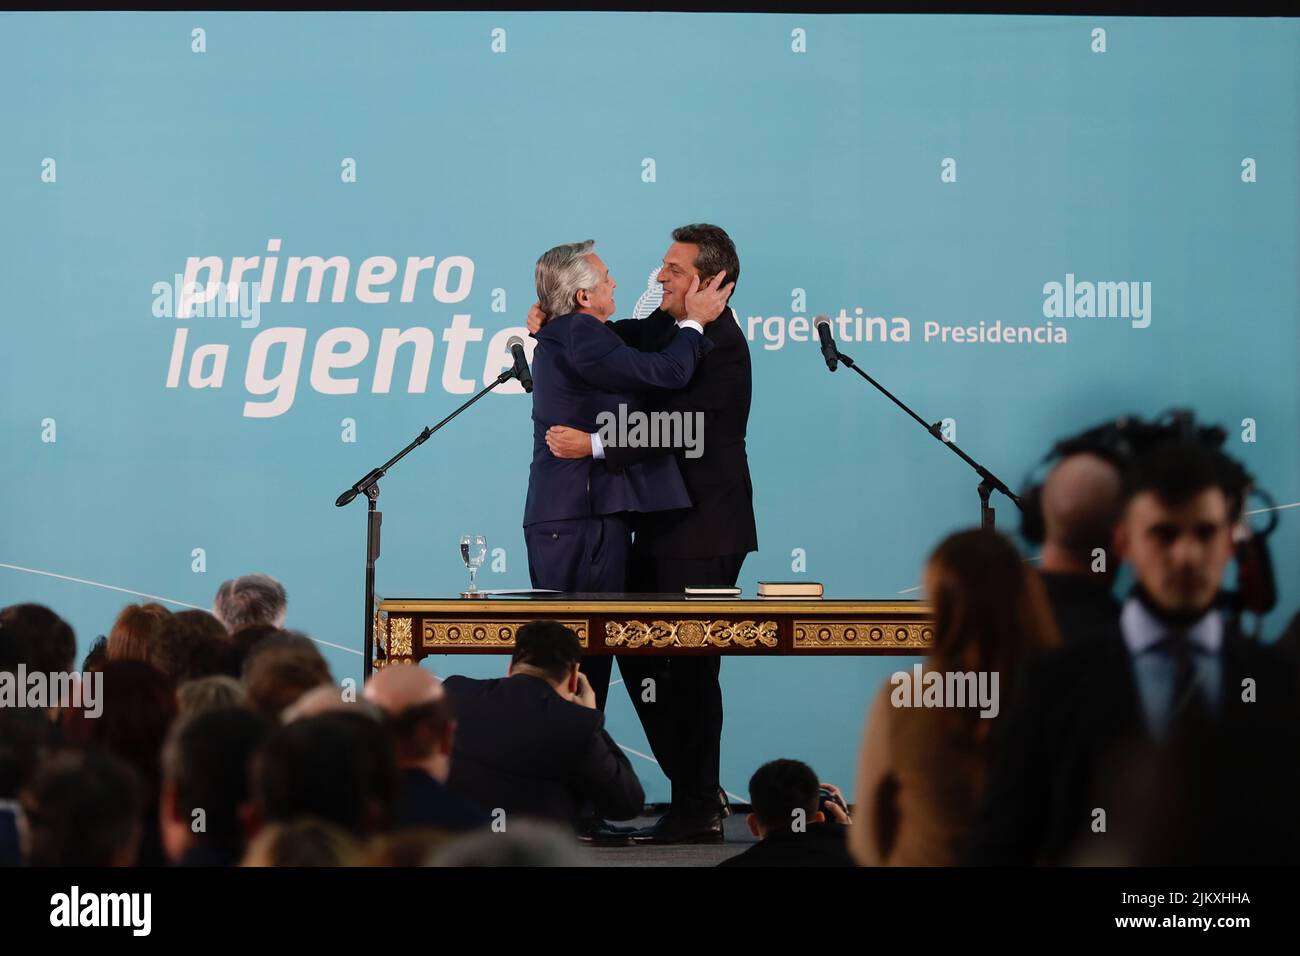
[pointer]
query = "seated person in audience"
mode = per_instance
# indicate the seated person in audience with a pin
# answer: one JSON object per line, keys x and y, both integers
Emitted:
{"x": 307, "y": 841}
{"x": 251, "y": 601}
{"x": 247, "y": 638}
{"x": 533, "y": 743}
{"x": 282, "y": 668}
{"x": 794, "y": 824}
{"x": 327, "y": 698}
{"x": 530, "y": 843}
{"x": 26, "y": 739}
{"x": 37, "y": 638}
{"x": 82, "y": 808}
{"x": 210, "y": 693}
{"x": 138, "y": 707}
{"x": 190, "y": 645}
{"x": 422, "y": 730}
{"x": 408, "y": 846}
{"x": 205, "y": 777}
{"x": 1080, "y": 504}
{"x": 922, "y": 769}
{"x": 96, "y": 657}
{"x": 135, "y": 633}
{"x": 337, "y": 767}
{"x": 1178, "y": 675}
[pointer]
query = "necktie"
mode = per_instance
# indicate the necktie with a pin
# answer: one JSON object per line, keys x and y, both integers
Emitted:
{"x": 1189, "y": 709}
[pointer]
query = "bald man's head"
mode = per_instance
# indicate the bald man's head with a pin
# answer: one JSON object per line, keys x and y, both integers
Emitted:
{"x": 325, "y": 699}
{"x": 402, "y": 686}
{"x": 419, "y": 714}
{"x": 1082, "y": 500}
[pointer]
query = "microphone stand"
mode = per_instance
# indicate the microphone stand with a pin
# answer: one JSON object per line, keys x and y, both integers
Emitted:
{"x": 369, "y": 486}
{"x": 989, "y": 482}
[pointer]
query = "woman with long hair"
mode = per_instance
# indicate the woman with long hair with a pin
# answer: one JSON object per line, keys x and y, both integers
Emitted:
{"x": 922, "y": 769}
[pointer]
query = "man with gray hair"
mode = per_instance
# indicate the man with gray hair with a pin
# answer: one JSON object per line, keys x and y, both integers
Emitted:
{"x": 249, "y": 601}
{"x": 576, "y": 515}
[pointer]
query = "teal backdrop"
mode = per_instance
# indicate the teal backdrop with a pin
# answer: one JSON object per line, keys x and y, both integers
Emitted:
{"x": 937, "y": 173}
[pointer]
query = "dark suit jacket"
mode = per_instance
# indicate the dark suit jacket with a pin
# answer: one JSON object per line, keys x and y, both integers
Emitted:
{"x": 523, "y": 748}
{"x": 1077, "y": 710}
{"x": 425, "y": 802}
{"x": 721, "y": 521}
{"x": 1083, "y": 608}
{"x": 822, "y": 844}
{"x": 581, "y": 368}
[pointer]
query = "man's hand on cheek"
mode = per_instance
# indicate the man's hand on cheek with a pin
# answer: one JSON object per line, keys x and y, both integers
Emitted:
{"x": 536, "y": 318}
{"x": 566, "y": 442}
{"x": 704, "y": 303}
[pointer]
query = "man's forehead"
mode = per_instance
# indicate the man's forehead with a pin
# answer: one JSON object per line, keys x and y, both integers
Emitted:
{"x": 681, "y": 254}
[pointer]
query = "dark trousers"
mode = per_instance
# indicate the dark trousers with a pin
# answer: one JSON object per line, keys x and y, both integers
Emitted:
{"x": 683, "y": 721}
{"x": 583, "y": 555}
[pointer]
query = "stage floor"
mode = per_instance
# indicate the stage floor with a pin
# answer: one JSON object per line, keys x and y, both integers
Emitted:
{"x": 734, "y": 829}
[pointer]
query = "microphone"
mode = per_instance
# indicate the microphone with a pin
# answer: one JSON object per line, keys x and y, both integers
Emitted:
{"x": 516, "y": 346}
{"x": 823, "y": 326}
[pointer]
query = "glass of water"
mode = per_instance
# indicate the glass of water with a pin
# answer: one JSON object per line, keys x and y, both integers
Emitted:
{"x": 473, "y": 549}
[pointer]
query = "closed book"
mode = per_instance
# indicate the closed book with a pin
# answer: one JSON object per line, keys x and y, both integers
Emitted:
{"x": 790, "y": 589}
{"x": 712, "y": 592}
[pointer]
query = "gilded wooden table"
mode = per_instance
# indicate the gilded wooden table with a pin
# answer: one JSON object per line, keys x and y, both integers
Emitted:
{"x": 407, "y": 629}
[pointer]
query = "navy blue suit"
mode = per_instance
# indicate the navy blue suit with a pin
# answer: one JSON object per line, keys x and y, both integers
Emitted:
{"x": 581, "y": 368}
{"x": 575, "y": 519}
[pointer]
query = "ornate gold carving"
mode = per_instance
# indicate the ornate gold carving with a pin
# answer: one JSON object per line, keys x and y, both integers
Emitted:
{"x": 399, "y": 641}
{"x": 441, "y": 634}
{"x": 879, "y": 635}
{"x": 690, "y": 633}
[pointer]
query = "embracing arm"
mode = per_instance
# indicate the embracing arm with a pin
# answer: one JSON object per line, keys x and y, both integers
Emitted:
{"x": 608, "y": 363}
{"x": 641, "y": 333}
{"x": 713, "y": 389}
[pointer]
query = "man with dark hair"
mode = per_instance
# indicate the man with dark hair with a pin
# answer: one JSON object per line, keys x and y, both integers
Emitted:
{"x": 1177, "y": 675}
{"x": 280, "y": 669}
{"x": 337, "y": 766}
{"x": 81, "y": 809}
{"x": 1080, "y": 505}
{"x": 533, "y": 744}
{"x": 422, "y": 729}
{"x": 205, "y": 764}
{"x": 33, "y": 635}
{"x": 701, "y": 546}
{"x": 190, "y": 645}
{"x": 245, "y": 639}
{"x": 788, "y": 819}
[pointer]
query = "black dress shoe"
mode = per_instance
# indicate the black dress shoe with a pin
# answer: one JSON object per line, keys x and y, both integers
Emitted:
{"x": 592, "y": 824}
{"x": 673, "y": 829}
{"x": 597, "y": 832}
{"x": 605, "y": 837}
